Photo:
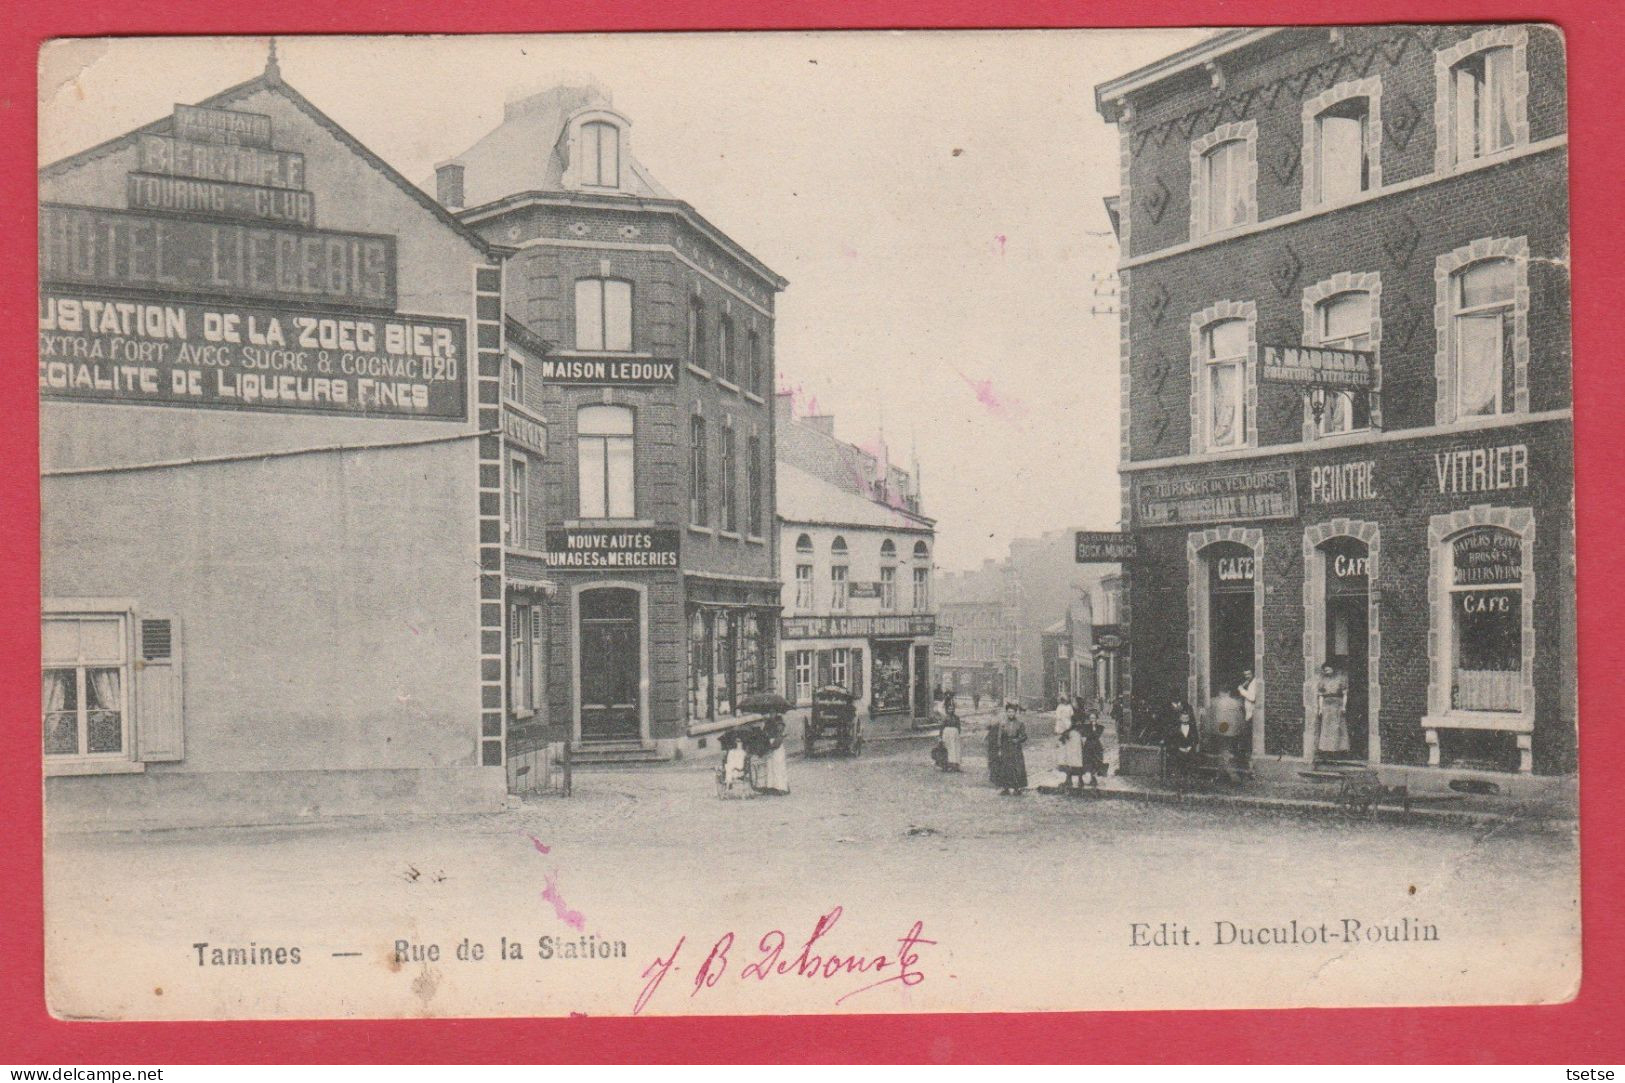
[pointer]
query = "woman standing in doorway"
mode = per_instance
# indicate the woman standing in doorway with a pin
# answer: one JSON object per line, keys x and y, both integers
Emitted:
{"x": 1331, "y": 696}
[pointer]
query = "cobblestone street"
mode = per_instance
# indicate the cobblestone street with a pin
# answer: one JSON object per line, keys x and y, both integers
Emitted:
{"x": 1031, "y": 901}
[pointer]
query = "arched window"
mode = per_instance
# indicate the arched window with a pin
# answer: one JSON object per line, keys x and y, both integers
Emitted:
{"x": 888, "y": 550}
{"x": 605, "y": 462}
{"x": 1343, "y": 322}
{"x": 1483, "y": 101}
{"x": 1225, "y": 188}
{"x": 922, "y": 551}
{"x": 804, "y": 572}
{"x": 888, "y": 574}
{"x": 1486, "y": 620}
{"x": 1224, "y": 352}
{"x": 1342, "y": 162}
{"x": 601, "y": 154}
{"x": 804, "y": 545}
{"x": 1483, "y": 299}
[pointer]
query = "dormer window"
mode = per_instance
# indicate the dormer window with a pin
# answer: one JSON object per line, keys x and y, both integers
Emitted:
{"x": 600, "y": 146}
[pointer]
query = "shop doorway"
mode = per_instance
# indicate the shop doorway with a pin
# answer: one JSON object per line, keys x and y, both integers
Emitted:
{"x": 1231, "y": 571}
{"x": 610, "y": 644}
{"x": 922, "y": 681}
{"x": 891, "y": 683}
{"x": 1345, "y": 642}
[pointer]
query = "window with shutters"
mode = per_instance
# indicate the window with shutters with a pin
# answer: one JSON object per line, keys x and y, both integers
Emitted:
{"x": 527, "y": 670}
{"x": 109, "y": 688}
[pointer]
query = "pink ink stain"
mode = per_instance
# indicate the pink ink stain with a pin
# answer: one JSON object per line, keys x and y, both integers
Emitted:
{"x": 991, "y": 400}
{"x": 541, "y": 847}
{"x": 999, "y": 239}
{"x": 573, "y": 918}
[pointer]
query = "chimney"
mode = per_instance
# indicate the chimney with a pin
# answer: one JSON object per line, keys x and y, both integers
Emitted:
{"x": 824, "y": 423}
{"x": 784, "y": 407}
{"x": 448, "y": 185}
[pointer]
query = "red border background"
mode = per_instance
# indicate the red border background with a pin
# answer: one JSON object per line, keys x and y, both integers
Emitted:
{"x": 1586, "y": 1030}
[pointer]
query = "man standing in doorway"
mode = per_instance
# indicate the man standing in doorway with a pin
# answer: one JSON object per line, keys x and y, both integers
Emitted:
{"x": 1249, "y": 690}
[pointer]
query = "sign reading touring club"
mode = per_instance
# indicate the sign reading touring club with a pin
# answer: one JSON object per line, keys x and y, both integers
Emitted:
{"x": 1317, "y": 366}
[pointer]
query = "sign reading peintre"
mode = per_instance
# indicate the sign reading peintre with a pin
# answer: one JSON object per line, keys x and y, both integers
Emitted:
{"x": 100, "y": 348}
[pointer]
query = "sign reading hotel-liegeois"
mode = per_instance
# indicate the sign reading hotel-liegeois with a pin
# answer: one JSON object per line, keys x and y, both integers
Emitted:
{"x": 1249, "y": 494}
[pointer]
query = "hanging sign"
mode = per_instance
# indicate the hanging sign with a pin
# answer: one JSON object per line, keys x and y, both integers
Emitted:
{"x": 1104, "y": 547}
{"x": 1318, "y": 366}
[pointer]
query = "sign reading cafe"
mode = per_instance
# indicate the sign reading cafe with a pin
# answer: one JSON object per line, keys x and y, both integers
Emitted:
{"x": 101, "y": 349}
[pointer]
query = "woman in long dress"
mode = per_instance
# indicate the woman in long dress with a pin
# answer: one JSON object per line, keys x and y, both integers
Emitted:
{"x": 1331, "y": 694}
{"x": 995, "y": 741}
{"x": 1011, "y": 777}
{"x": 1069, "y": 731}
{"x": 950, "y": 734}
{"x": 775, "y": 772}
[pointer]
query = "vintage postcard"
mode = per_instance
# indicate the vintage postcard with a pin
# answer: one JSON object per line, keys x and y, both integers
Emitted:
{"x": 807, "y": 522}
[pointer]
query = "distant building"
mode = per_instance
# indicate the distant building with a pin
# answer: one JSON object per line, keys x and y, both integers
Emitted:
{"x": 1347, "y": 408}
{"x": 641, "y": 556}
{"x": 856, "y": 563}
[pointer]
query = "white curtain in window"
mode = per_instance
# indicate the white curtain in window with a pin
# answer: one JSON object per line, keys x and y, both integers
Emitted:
{"x": 1468, "y": 101}
{"x": 1342, "y": 156}
{"x": 104, "y": 710}
{"x": 1478, "y": 363}
{"x": 1225, "y": 399}
{"x": 1498, "y": 77}
{"x": 619, "y": 476}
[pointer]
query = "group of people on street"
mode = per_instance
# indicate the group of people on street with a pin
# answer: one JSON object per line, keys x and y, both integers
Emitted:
{"x": 1230, "y": 716}
{"x": 754, "y": 756}
{"x": 1078, "y": 730}
{"x": 1083, "y": 752}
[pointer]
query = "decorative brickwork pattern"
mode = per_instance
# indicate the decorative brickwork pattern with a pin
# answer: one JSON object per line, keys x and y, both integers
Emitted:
{"x": 1444, "y": 115}
{"x": 1223, "y": 310}
{"x": 1369, "y": 283}
{"x": 1314, "y": 629}
{"x": 1369, "y": 89}
{"x": 1246, "y": 131}
{"x": 491, "y": 349}
{"x": 1444, "y": 356}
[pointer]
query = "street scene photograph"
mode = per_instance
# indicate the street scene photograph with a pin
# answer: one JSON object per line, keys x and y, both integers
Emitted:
{"x": 807, "y": 522}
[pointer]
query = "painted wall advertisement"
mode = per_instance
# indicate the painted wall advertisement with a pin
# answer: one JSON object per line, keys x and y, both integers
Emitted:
{"x": 108, "y": 349}
{"x": 1249, "y": 494}
{"x": 623, "y": 548}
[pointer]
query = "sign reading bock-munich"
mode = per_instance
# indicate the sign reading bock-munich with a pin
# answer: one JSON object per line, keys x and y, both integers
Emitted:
{"x": 108, "y": 349}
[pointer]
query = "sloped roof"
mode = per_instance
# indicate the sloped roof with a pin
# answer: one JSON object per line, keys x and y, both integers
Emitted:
{"x": 525, "y": 154}
{"x": 805, "y": 498}
{"x": 270, "y": 81}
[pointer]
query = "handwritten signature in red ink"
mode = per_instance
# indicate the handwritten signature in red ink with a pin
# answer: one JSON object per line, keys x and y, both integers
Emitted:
{"x": 813, "y": 960}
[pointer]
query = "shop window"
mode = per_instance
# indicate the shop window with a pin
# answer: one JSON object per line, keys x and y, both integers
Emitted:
{"x": 1483, "y": 307}
{"x": 1486, "y": 621}
{"x": 518, "y": 502}
{"x": 922, "y": 590}
{"x": 727, "y": 483}
{"x": 728, "y": 652}
{"x": 1224, "y": 177}
{"x": 1342, "y": 164}
{"x": 603, "y": 314}
{"x": 605, "y": 462}
{"x": 601, "y": 155}
{"x": 1343, "y": 322}
{"x": 1225, "y": 351}
{"x": 699, "y": 484}
{"x": 85, "y": 686}
{"x": 753, "y": 486}
{"x": 804, "y": 586}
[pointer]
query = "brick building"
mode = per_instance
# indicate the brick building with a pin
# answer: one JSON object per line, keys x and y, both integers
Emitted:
{"x": 857, "y": 566}
{"x": 1398, "y": 504}
{"x": 263, "y": 455}
{"x": 640, "y": 558}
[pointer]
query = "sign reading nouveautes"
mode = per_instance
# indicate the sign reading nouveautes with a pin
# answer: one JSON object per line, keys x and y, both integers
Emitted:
{"x": 622, "y": 548}
{"x": 95, "y": 246}
{"x": 118, "y": 350}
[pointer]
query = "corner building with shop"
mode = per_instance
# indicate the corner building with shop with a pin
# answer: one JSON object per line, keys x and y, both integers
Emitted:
{"x": 638, "y": 545}
{"x": 263, "y": 455}
{"x": 1399, "y": 505}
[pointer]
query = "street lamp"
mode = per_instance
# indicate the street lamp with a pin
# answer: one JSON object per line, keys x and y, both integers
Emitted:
{"x": 1317, "y": 404}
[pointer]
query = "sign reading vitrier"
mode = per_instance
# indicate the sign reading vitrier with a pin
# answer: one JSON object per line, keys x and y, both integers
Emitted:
{"x": 609, "y": 370}
{"x": 112, "y": 349}
{"x": 100, "y": 247}
{"x": 1249, "y": 494}
{"x": 1482, "y": 469}
{"x": 1103, "y": 547}
{"x": 624, "y": 548}
{"x": 1317, "y": 366}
